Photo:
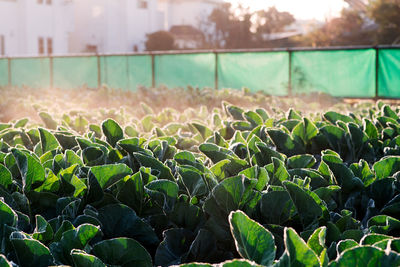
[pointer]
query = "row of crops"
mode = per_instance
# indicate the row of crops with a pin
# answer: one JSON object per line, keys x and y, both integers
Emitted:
{"x": 221, "y": 187}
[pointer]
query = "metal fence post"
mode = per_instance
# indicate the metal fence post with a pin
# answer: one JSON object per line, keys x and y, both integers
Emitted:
{"x": 9, "y": 71}
{"x": 51, "y": 72}
{"x": 290, "y": 92}
{"x": 216, "y": 70}
{"x": 98, "y": 71}
{"x": 377, "y": 73}
{"x": 153, "y": 71}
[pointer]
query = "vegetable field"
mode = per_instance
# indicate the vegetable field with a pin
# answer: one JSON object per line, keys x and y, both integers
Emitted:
{"x": 225, "y": 178}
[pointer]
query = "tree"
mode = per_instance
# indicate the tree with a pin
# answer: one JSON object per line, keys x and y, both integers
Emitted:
{"x": 219, "y": 21}
{"x": 272, "y": 21}
{"x": 348, "y": 29}
{"x": 161, "y": 40}
{"x": 240, "y": 28}
{"x": 386, "y": 14}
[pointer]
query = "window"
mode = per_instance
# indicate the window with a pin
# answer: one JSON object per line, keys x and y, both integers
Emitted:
{"x": 41, "y": 46}
{"x": 91, "y": 48}
{"x": 142, "y": 4}
{"x": 2, "y": 45}
{"x": 49, "y": 46}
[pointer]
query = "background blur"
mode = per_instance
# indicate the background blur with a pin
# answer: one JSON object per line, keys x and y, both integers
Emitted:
{"x": 43, "y": 27}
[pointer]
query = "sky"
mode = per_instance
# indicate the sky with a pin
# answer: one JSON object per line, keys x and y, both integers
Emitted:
{"x": 301, "y": 9}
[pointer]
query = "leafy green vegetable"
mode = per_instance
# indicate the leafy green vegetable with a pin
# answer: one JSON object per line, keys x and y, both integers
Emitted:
{"x": 107, "y": 175}
{"x": 299, "y": 253}
{"x": 112, "y": 131}
{"x": 30, "y": 252}
{"x": 253, "y": 242}
{"x": 122, "y": 251}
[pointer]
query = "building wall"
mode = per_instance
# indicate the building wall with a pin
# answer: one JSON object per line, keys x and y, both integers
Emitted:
{"x": 144, "y": 21}
{"x": 10, "y": 26}
{"x": 186, "y": 12}
{"x": 113, "y": 26}
{"x": 22, "y": 22}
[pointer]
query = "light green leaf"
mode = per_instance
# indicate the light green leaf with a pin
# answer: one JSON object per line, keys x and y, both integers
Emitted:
{"x": 112, "y": 131}
{"x": 299, "y": 253}
{"x": 253, "y": 241}
{"x": 48, "y": 141}
{"x": 108, "y": 175}
{"x": 5, "y": 177}
{"x": 32, "y": 172}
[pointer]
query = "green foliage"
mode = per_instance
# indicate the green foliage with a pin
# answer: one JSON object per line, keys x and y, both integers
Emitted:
{"x": 275, "y": 189}
{"x": 253, "y": 242}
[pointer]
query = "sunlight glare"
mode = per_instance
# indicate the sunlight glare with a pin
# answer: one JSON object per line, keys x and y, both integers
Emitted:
{"x": 305, "y": 9}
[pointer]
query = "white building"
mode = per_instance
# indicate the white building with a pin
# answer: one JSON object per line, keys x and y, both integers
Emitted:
{"x": 113, "y": 26}
{"x": 186, "y": 12}
{"x": 120, "y": 26}
{"x": 32, "y": 27}
{"x": 35, "y": 27}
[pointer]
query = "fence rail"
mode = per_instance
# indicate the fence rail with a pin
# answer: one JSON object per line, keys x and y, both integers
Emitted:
{"x": 358, "y": 71}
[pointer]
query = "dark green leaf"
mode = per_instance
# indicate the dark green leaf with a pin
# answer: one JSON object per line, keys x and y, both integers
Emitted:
{"x": 121, "y": 221}
{"x": 306, "y": 204}
{"x": 122, "y": 252}
{"x": 367, "y": 256}
{"x": 301, "y": 161}
{"x": 30, "y": 252}
{"x": 150, "y": 162}
{"x": 83, "y": 259}
{"x": 173, "y": 248}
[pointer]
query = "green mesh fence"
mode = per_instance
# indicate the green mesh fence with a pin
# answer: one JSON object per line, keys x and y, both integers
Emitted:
{"x": 3, "y": 72}
{"x": 389, "y": 73}
{"x": 73, "y": 72}
{"x": 266, "y": 71}
{"x": 114, "y": 71}
{"x": 139, "y": 71}
{"x": 197, "y": 70}
{"x": 126, "y": 72}
{"x": 33, "y": 72}
{"x": 344, "y": 73}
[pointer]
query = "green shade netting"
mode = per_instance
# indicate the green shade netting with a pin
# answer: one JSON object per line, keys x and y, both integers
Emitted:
{"x": 389, "y": 73}
{"x": 344, "y": 73}
{"x": 139, "y": 71}
{"x": 33, "y": 72}
{"x": 3, "y": 72}
{"x": 197, "y": 70}
{"x": 73, "y": 72}
{"x": 260, "y": 71}
{"x": 126, "y": 72}
{"x": 114, "y": 71}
